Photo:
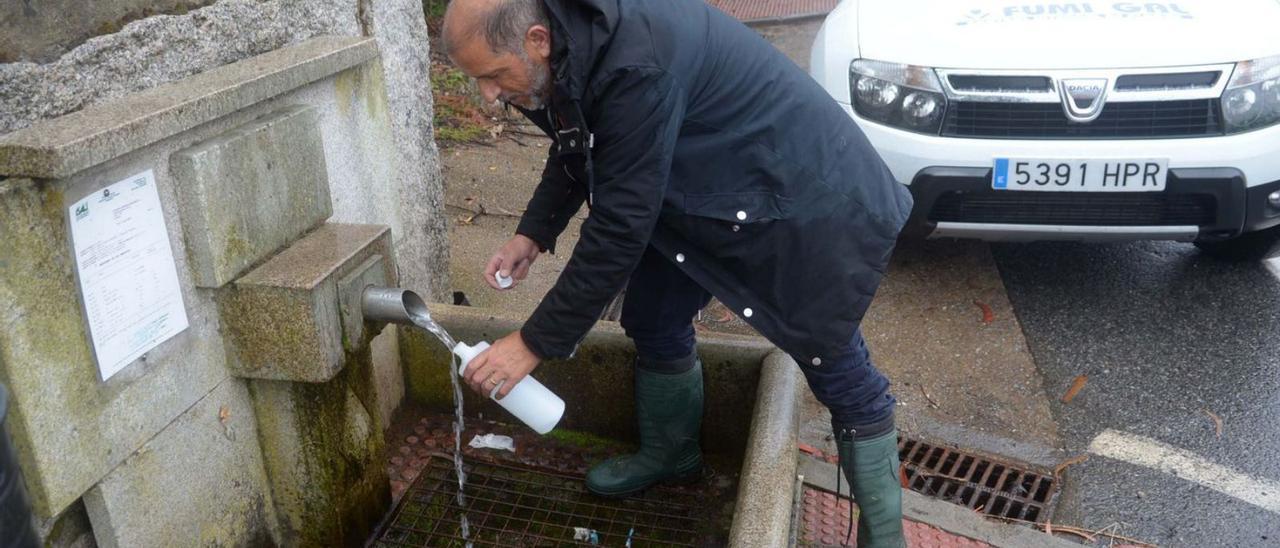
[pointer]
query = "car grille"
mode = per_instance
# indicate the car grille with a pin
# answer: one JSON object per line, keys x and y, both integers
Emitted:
{"x": 1119, "y": 120}
{"x": 1099, "y": 209}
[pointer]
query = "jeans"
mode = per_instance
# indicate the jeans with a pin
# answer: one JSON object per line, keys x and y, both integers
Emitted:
{"x": 658, "y": 312}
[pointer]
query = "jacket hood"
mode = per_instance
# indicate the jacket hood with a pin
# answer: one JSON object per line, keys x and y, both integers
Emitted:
{"x": 581, "y": 31}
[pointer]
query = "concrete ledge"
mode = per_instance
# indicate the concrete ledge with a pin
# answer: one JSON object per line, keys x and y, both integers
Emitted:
{"x": 944, "y": 515}
{"x": 63, "y": 146}
{"x": 762, "y": 515}
{"x": 282, "y": 320}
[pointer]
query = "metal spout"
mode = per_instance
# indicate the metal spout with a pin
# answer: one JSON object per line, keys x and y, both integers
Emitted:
{"x": 392, "y": 304}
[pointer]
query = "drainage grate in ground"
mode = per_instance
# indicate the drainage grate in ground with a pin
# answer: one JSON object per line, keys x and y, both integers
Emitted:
{"x": 521, "y": 506}
{"x": 983, "y": 484}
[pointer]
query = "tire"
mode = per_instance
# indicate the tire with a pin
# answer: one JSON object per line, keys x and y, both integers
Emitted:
{"x": 1252, "y": 246}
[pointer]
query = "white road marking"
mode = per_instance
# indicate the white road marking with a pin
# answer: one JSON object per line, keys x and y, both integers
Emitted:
{"x": 1150, "y": 453}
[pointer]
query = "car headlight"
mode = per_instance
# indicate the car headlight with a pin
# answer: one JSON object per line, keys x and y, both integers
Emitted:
{"x": 903, "y": 96}
{"x": 1252, "y": 98}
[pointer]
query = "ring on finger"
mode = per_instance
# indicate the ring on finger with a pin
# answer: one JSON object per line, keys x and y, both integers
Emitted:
{"x": 494, "y": 381}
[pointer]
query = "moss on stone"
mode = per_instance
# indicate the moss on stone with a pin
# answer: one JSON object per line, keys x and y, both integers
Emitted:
{"x": 328, "y": 492}
{"x": 584, "y": 440}
{"x": 42, "y": 333}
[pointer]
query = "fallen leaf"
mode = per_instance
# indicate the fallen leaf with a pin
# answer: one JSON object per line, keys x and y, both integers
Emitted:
{"x": 1217, "y": 421}
{"x": 1057, "y": 470}
{"x": 1076, "y": 386}
{"x": 466, "y": 220}
{"x": 902, "y": 476}
{"x": 224, "y": 414}
{"x": 809, "y": 449}
{"x": 725, "y": 315}
{"x": 988, "y": 315}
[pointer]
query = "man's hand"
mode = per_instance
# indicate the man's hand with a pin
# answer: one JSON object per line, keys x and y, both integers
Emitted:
{"x": 505, "y": 363}
{"x": 513, "y": 259}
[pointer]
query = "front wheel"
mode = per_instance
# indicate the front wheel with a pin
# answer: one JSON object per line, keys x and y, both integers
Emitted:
{"x": 1252, "y": 246}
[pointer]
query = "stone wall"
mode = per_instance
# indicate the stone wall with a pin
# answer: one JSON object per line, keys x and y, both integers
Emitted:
{"x": 42, "y": 30}
{"x": 166, "y": 48}
{"x": 187, "y": 96}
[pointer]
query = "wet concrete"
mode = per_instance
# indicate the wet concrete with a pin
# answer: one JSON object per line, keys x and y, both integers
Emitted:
{"x": 499, "y": 178}
{"x": 959, "y": 379}
{"x": 792, "y": 38}
{"x": 1167, "y": 336}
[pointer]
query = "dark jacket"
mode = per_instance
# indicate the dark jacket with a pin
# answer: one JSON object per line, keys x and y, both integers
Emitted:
{"x": 686, "y": 131}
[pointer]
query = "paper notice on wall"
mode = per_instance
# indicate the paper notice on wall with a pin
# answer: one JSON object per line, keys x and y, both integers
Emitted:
{"x": 128, "y": 279}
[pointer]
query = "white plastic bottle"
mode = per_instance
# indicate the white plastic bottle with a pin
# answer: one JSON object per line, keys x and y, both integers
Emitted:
{"x": 529, "y": 401}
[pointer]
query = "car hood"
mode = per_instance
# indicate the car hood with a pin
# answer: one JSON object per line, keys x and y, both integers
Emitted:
{"x": 1067, "y": 35}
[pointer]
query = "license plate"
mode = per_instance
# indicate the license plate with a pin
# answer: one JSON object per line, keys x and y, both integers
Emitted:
{"x": 1129, "y": 175}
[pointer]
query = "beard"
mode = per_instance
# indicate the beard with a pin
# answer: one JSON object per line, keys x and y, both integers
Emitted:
{"x": 539, "y": 93}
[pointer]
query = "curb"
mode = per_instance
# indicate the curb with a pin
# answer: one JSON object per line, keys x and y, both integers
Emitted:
{"x": 763, "y": 513}
{"x": 948, "y": 517}
{"x": 785, "y": 19}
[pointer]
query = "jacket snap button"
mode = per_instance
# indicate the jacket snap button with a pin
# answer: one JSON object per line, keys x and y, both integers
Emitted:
{"x": 573, "y": 143}
{"x": 736, "y": 228}
{"x": 742, "y": 215}
{"x": 746, "y": 312}
{"x": 816, "y": 361}
{"x": 679, "y": 257}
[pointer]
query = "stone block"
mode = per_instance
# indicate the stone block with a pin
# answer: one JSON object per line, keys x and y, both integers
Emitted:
{"x": 64, "y": 146}
{"x": 388, "y": 374}
{"x": 250, "y": 191}
{"x": 199, "y": 482}
{"x": 70, "y": 428}
{"x": 350, "y": 296}
{"x": 282, "y": 319}
{"x": 40, "y": 32}
{"x": 325, "y": 458}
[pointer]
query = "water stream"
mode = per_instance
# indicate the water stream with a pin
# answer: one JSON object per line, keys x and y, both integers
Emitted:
{"x": 424, "y": 321}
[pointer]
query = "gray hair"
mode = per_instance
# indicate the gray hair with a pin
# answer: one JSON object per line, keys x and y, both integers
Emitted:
{"x": 504, "y": 25}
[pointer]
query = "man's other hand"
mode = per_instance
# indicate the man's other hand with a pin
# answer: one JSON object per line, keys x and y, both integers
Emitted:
{"x": 512, "y": 260}
{"x": 504, "y": 364}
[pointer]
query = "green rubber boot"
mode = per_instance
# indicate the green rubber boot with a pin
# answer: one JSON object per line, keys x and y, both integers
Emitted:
{"x": 669, "y": 412}
{"x": 871, "y": 466}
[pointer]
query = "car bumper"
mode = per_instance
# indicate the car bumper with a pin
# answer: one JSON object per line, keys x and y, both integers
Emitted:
{"x": 1198, "y": 204}
{"x": 1217, "y": 188}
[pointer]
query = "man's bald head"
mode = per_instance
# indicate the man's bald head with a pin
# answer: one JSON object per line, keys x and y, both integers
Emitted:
{"x": 502, "y": 24}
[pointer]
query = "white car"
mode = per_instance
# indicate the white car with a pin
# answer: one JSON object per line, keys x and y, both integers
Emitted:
{"x": 1070, "y": 120}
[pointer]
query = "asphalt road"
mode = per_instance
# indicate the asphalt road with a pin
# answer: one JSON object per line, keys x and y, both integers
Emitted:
{"x": 1169, "y": 339}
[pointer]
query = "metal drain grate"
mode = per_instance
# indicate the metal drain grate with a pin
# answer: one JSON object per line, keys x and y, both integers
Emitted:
{"x": 987, "y": 485}
{"x": 517, "y": 506}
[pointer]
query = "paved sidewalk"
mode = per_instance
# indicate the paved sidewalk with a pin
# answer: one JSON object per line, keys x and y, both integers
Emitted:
{"x": 773, "y": 10}
{"x": 826, "y": 520}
